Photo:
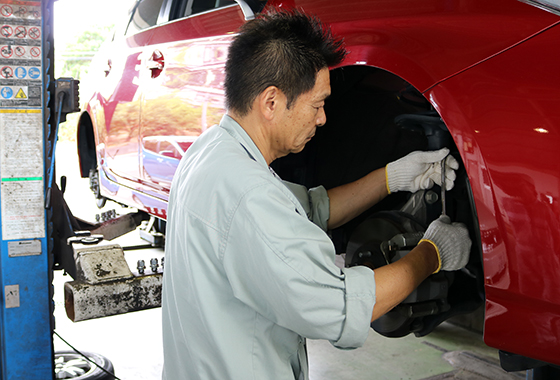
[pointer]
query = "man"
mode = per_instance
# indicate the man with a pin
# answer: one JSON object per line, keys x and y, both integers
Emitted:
{"x": 249, "y": 270}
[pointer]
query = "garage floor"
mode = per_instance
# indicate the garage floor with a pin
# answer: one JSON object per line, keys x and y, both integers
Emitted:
{"x": 133, "y": 341}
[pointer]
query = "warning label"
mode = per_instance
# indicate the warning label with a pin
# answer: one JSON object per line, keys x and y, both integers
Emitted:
{"x": 20, "y": 9}
{"x": 20, "y": 95}
{"x": 13, "y": 92}
{"x": 20, "y": 72}
{"x": 21, "y": 52}
{"x": 20, "y": 32}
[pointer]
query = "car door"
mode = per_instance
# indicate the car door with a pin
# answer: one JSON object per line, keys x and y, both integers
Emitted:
{"x": 182, "y": 77}
{"x": 119, "y": 122}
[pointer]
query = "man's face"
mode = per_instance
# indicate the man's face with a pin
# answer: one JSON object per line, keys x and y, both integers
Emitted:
{"x": 298, "y": 124}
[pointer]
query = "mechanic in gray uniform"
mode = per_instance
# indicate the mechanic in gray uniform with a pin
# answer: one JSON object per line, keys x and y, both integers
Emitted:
{"x": 250, "y": 271}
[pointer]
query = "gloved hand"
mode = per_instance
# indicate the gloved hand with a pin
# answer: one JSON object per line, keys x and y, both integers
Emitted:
{"x": 419, "y": 170}
{"x": 452, "y": 243}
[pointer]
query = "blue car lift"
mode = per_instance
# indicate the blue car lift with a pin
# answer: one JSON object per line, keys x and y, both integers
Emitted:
{"x": 26, "y": 157}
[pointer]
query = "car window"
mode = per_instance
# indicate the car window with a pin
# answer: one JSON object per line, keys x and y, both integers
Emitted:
{"x": 199, "y": 6}
{"x": 145, "y": 15}
{"x": 168, "y": 150}
{"x": 151, "y": 145}
{"x": 185, "y": 8}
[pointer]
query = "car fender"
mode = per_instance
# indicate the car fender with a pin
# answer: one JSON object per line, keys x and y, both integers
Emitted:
{"x": 504, "y": 119}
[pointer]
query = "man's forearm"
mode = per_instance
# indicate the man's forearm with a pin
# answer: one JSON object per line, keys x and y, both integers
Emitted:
{"x": 350, "y": 200}
{"x": 394, "y": 282}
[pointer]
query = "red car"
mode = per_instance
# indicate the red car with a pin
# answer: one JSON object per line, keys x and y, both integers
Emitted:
{"x": 479, "y": 77}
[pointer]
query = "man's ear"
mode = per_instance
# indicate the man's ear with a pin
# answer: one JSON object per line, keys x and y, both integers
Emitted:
{"x": 269, "y": 101}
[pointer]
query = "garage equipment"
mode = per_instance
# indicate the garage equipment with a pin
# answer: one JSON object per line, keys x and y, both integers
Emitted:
{"x": 35, "y": 220}
{"x": 26, "y": 146}
{"x": 104, "y": 284}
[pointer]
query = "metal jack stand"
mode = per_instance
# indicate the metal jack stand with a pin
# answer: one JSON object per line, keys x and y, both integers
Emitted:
{"x": 149, "y": 233}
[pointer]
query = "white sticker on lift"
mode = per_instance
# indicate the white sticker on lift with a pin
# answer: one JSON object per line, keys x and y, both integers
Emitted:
{"x": 21, "y": 169}
{"x": 11, "y": 295}
{"x": 21, "y": 143}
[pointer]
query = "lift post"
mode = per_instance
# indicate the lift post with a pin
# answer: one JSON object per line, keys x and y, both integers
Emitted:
{"x": 26, "y": 150}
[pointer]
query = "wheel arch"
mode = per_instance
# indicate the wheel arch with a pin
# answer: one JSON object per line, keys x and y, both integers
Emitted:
{"x": 353, "y": 88}
{"x": 392, "y": 61}
{"x": 408, "y": 70}
{"x": 86, "y": 145}
{"x": 482, "y": 189}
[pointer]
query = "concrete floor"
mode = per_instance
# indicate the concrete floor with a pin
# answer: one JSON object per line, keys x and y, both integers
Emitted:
{"x": 133, "y": 341}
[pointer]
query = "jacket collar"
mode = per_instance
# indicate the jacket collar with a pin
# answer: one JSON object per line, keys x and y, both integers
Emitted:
{"x": 236, "y": 131}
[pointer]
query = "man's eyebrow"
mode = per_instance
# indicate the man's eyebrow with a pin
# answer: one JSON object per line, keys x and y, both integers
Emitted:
{"x": 324, "y": 97}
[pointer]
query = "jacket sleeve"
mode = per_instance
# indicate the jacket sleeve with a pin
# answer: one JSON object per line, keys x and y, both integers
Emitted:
{"x": 315, "y": 201}
{"x": 282, "y": 266}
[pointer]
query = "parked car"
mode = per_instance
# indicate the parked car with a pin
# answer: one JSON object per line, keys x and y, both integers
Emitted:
{"x": 479, "y": 77}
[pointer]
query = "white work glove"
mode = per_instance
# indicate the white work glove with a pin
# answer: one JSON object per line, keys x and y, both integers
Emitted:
{"x": 419, "y": 170}
{"x": 451, "y": 241}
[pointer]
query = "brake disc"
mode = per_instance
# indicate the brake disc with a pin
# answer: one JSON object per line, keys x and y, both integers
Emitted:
{"x": 382, "y": 239}
{"x": 365, "y": 243}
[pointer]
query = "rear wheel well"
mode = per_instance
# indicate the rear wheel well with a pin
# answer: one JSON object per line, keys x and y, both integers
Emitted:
{"x": 86, "y": 145}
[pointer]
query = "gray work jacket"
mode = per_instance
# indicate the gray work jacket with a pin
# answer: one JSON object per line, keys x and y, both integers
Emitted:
{"x": 247, "y": 275}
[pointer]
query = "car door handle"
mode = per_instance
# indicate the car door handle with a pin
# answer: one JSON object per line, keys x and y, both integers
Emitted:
{"x": 155, "y": 63}
{"x": 108, "y": 67}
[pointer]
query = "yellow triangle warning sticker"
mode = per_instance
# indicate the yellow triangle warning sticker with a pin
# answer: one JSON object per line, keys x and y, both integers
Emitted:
{"x": 20, "y": 94}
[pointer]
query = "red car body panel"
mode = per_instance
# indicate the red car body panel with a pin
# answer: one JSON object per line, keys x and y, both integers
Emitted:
{"x": 490, "y": 68}
{"x": 426, "y": 41}
{"x": 510, "y": 138}
{"x": 189, "y": 86}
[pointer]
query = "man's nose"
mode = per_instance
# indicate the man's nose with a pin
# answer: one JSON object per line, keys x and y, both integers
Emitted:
{"x": 321, "y": 118}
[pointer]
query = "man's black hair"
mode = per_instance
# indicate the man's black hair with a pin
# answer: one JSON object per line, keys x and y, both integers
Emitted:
{"x": 286, "y": 49}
